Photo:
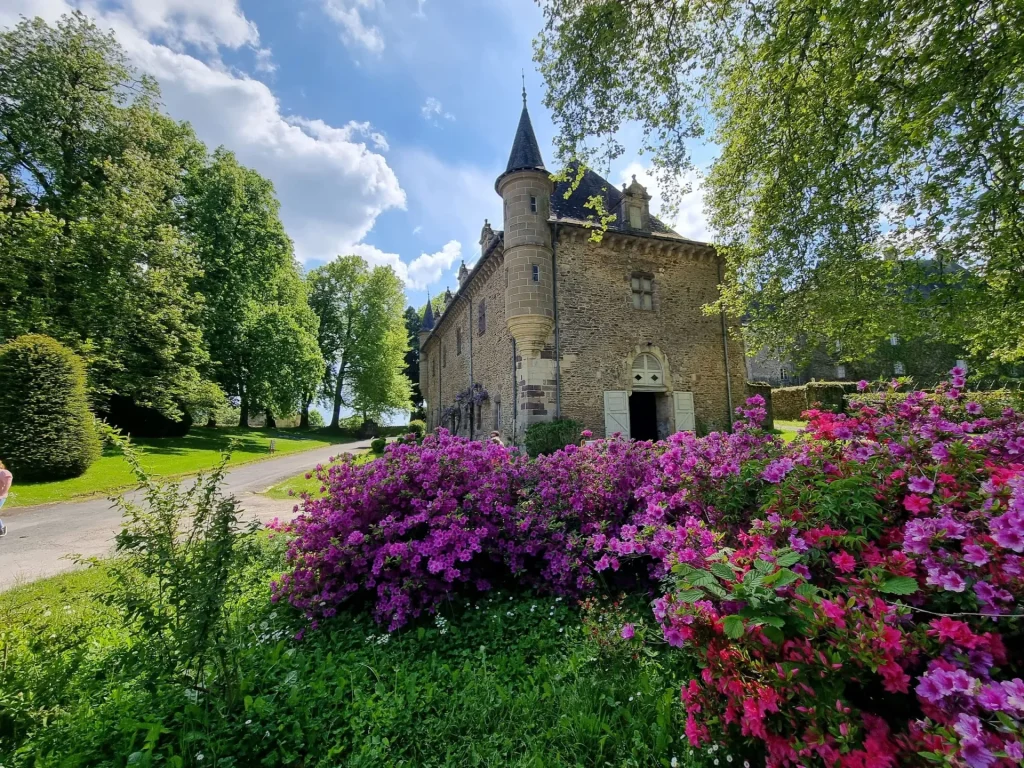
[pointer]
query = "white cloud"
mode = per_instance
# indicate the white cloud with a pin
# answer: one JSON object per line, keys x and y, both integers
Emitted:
{"x": 200, "y": 22}
{"x": 427, "y": 268}
{"x": 433, "y": 109}
{"x": 417, "y": 229}
{"x": 689, "y": 220}
{"x": 331, "y": 185}
{"x": 349, "y": 15}
{"x": 419, "y": 14}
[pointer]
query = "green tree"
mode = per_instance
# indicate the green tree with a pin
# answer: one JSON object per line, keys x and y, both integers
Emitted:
{"x": 95, "y": 174}
{"x": 257, "y": 321}
{"x": 413, "y": 323}
{"x": 866, "y": 149}
{"x": 362, "y": 337}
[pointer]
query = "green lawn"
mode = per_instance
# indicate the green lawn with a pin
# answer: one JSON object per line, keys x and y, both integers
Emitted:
{"x": 301, "y": 484}
{"x": 495, "y": 680}
{"x": 199, "y": 450}
{"x": 789, "y": 429}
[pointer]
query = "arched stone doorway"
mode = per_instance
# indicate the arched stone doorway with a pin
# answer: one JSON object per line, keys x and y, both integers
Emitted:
{"x": 648, "y": 399}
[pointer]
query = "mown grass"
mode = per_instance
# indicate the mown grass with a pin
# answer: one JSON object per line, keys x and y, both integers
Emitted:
{"x": 197, "y": 451}
{"x": 510, "y": 680}
{"x": 788, "y": 429}
{"x": 306, "y": 482}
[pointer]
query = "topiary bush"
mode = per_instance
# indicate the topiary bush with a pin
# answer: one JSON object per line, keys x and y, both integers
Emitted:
{"x": 378, "y": 444}
{"x": 551, "y": 436}
{"x": 418, "y": 428}
{"x": 46, "y": 429}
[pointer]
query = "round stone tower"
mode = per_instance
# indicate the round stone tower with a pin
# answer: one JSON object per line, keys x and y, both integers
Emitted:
{"x": 526, "y": 187}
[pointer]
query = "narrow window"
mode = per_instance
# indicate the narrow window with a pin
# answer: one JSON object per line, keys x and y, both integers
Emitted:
{"x": 898, "y": 368}
{"x": 635, "y": 220}
{"x": 894, "y": 340}
{"x": 533, "y": 204}
{"x": 481, "y": 317}
{"x": 458, "y": 341}
{"x": 643, "y": 291}
{"x": 840, "y": 371}
{"x": 536, "y": 273}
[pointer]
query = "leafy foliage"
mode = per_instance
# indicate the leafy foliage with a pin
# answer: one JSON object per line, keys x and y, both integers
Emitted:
{"x": 46, "y": 429}
{"x": 362, "y": 337}
{"x": 418, "y": 428}
{"x": 870, "y": 173}
{"x": 551, "y": 436}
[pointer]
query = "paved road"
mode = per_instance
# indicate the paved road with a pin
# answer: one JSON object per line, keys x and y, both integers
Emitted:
{"x": 40, "y": 538}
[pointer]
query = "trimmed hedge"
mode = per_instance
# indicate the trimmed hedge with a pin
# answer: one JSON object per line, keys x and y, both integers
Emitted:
{"x": 551, "y": 436}
{"x": 418, "y": 428}
{"x": 378, "y": 444}
{"x": 993, "y": 402}
{"x": 46, "y": 429}
{"x": 789, "y": 403}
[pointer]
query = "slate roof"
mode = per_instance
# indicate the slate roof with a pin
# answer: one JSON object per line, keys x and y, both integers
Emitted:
{"x": 591, "y": 185}
{"x": 525, "y": 150}
{"x": 428, "y": 318}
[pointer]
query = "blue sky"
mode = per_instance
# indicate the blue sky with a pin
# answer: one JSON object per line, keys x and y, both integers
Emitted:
{"x": 382, "y": 123}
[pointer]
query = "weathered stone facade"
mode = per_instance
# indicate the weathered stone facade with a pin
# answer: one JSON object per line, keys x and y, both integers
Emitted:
{"x": 612, "y": 334}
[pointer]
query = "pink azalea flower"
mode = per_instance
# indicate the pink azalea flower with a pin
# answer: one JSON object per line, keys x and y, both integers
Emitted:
{"x": 916, "y": 504}
{"x": 627, "y": 631}
{"x": 921, "y": 485}
{"x": 844, "y": 562}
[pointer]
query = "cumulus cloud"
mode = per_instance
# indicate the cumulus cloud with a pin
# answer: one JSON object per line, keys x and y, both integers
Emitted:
{"x": 432, "y": 109}
{"x": 350, "y": 15}
{"x": 427, "y": 268}
{"x": 333, "y": 182}
{"x": 690, "y": 220}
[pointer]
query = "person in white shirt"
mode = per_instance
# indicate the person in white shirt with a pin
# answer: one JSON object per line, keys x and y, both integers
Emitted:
{"x": 6, "y": 478}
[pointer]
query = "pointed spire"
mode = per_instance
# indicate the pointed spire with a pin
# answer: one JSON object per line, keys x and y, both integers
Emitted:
{"x": 525, "y": 151}
{"x": 523, "y": 73}
{"x": 428, "y": 317}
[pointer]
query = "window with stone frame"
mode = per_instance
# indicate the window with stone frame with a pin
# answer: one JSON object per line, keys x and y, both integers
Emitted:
{"x": 481, "y": 317}
{"x": 642, "y": 286}
{"x": 458, "y": 341}
{"x": 536, "y": 273}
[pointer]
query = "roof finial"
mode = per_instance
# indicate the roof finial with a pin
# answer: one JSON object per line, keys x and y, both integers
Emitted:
{"x": 523, "y": 73}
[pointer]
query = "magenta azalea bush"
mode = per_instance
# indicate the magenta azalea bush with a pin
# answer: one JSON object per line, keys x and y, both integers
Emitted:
{"x": 852, "y": 599}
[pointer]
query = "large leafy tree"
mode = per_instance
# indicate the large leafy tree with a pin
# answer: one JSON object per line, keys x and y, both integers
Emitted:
{"x": 362, "y": 337}
{"x": 257, "y": 321}
{"x": 867, "y": 150}
{"x": 92, "y": 254}
{"x": 413, "y": 323}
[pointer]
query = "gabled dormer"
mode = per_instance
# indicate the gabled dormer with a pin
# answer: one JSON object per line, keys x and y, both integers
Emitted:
{"x": 635, "y": 207}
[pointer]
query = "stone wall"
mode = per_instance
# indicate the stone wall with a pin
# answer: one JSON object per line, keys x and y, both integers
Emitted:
{"x": 490, "y": 354}
{"x": 601, "y": 331}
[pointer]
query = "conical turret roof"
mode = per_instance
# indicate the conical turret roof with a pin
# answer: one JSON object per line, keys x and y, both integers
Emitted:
{"x": 525, "y": 150}
{"x": 428, "y": 318}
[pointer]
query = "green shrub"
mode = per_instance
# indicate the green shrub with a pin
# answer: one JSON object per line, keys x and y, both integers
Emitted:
{"x": 377, "y": 444}
{"x": 316, "y": 419}
{"x": 46, "y": 429}
{"x": 417, "y": 428}
{"x": 551, "y": 436}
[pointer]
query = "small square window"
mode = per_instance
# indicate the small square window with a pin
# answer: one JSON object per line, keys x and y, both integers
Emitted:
{"x": 643, "y": 292}
{"x": 898, "y": 368}
{"x": 533, "y": 204}
{"x": 536, "y": 273}
{"x": 840, "y": 371}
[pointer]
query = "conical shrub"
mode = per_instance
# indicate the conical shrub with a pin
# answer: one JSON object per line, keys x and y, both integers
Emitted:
{"x": 46, "y": 429}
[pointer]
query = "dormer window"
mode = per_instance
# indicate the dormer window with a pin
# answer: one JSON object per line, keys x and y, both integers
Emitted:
{"x": 533, "y": 204}
{"x": 635, "y": 217}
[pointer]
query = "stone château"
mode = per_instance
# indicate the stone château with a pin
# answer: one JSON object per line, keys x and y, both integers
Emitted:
{"x": 550, "y": 324}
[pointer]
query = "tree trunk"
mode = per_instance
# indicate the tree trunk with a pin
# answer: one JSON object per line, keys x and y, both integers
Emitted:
{"x": 304, "y": 416}
{"x": 270, "y": 423}
{"x": 211, "y": 422}
{"x": 243, "y": 408}
{"x": 338, "y": 385}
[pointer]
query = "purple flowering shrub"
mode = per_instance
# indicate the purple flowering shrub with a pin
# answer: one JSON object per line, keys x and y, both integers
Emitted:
{"x": 852, "y": 599}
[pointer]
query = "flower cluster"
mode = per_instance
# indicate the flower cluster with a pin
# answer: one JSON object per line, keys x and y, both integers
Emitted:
{"x": 851, "y": 599}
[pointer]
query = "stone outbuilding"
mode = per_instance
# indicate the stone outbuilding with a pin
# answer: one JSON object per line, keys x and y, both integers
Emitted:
{"x": 550, "y": 324}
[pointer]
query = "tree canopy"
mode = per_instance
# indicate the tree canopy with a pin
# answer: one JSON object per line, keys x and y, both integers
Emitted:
{"x": 869, "y": 179}
{"x": 362, "y": 337}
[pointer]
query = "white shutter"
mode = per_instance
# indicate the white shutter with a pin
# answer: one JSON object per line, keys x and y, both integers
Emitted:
{"x": 616, "y": 413}
{"x": 683, "y": 402}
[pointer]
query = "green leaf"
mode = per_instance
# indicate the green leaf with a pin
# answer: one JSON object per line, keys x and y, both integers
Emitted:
{"x": 773, "y": 634}
{"x": 788, "y": 559}
{"x": 723, "y": 571}
{"x": 807, "y": 590}
{"x": 691, "y": 595}
{"x": 899, "y": 585}
{"x": 733, "y": 627}
{"x": 775, "y": 621}
{"x": 763, "y": 565}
